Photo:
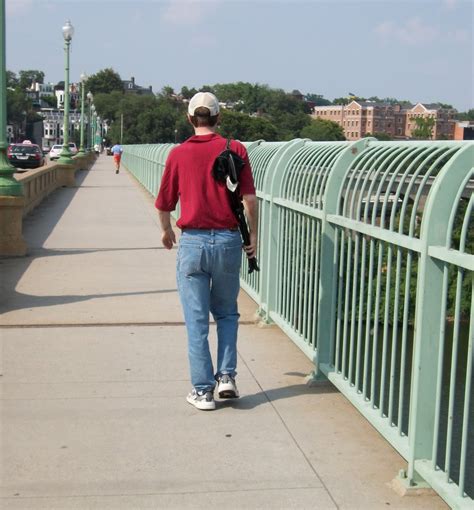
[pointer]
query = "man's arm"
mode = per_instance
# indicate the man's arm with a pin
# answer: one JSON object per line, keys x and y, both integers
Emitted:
{"x": 251, "y": 211}
{"x": 167, "y": 234}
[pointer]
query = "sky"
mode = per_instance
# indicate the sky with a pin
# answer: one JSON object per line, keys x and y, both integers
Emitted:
{"x": 419, "y": 50}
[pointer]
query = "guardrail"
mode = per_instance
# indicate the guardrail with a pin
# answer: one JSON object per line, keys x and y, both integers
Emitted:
{"x": 367, "y": 257}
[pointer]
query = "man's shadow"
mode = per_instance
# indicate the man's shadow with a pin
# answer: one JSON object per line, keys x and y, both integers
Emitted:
{"x": 267, "y": 396}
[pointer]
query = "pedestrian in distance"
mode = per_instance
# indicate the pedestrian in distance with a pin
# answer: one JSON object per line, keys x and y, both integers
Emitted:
{"x": 210, "y": 248}
{"x": 117, "y": 150}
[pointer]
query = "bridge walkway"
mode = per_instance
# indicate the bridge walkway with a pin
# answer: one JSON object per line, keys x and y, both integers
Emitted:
{"x": 94, "y": 377}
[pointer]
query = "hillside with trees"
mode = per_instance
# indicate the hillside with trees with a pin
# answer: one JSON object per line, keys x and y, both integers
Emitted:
{"x": 252, "y": 112}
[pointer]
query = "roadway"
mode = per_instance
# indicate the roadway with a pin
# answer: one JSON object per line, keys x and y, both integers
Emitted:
{"x": 94, "y": 378}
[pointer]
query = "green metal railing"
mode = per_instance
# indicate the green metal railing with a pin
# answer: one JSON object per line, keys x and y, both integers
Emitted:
{"x": 367, "y": 258}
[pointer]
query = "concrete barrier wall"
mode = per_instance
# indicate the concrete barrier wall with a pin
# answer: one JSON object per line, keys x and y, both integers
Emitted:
{"x": 37, "y": 185}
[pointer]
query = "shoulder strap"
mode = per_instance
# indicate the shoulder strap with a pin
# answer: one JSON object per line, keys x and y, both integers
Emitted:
{"x": 228, "y": 144}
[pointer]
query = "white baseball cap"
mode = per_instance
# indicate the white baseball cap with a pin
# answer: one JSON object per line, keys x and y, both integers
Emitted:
{"x": 205, "y": 100}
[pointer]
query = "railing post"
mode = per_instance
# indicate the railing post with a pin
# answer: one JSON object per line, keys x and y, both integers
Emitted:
{"x": 434, "y": 228}
{"x": 268, "y": 237}
{"x": 327, "y": 272}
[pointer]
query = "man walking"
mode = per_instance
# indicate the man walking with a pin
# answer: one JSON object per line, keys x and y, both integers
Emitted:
{"x": 209, "y": 253}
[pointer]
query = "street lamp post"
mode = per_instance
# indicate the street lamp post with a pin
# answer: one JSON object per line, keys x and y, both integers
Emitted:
{"x": 83, "y": 84}
{"x": 89, "y": 118}
{"x": 93, "y": 127}
{"x": 65, "y": 157}
{"x": 9, "y": 186}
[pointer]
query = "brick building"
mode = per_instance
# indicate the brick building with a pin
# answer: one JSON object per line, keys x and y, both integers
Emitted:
{"x": 362, "y": 118}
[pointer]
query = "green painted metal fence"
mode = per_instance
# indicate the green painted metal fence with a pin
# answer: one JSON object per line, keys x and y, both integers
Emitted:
{"x": 367, "y": 258}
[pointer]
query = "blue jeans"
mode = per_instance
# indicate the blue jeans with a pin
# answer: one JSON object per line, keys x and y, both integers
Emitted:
{"x": 208, "y": 270}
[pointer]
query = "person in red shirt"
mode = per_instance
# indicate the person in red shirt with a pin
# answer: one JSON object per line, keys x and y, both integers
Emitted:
{"x": 210, "y": 247}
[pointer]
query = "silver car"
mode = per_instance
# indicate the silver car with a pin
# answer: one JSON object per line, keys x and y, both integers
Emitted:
{"x": 55, "y": 152}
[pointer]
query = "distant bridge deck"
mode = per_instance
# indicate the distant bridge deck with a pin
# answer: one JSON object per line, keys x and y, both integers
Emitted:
{"x": 94, "y": 379}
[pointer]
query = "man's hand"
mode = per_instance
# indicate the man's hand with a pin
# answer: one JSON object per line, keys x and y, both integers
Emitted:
{"x": 167, "y": 234}
{"x": 251, "y": 249}
{"x": 168, "y": 238}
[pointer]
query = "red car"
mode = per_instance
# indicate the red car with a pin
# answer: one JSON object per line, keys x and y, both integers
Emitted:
{"x": 25, "y": 155}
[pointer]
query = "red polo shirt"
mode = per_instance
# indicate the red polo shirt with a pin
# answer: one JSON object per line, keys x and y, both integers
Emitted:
{"x": 188, "y": 177}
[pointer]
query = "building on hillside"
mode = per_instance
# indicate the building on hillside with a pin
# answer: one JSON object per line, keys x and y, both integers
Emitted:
{"x": 53, "y": 124}
{"x": 74, "y": 95}
{"x": 464, "y": 130}
{"x": 130, "y": 87}
{"x": 363, "y": 118}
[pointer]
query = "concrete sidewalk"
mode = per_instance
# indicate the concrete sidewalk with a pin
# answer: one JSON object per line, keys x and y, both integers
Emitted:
{"x": 94, "y": 379}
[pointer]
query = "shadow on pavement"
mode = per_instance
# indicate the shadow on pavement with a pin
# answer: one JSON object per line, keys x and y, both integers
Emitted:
{"x": 246, "y": 402}
{"x": 29, "y": 301}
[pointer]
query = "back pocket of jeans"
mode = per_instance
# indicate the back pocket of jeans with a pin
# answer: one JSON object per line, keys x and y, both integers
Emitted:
{"x": 189, "y": 260}
{"x": 232, "y": 259}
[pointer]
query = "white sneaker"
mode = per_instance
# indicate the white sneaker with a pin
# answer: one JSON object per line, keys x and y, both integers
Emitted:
{"x": 226, "y": 387}
{"x": 204, "y": 401}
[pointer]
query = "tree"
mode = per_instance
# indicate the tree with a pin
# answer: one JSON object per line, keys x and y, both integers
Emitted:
{"x": 188, "y": 93}
{"x": 109, "y": 105}
{"x": 17, "y": 106}
{"x": 469, "y": 115}
{"x": 321, "y": 129}
{"x": 380, "y": 136}
{"x": 341, "y": 100}
{"x": 12, "y": 80}
{"x": 104, "y": 82}
{"x": 424, "y": 127}
{"x": 318, "y": 100}
{"x": 167, "y": 91}
{"x": 51, "y": 101}
{"x": 245, "y": 128}
{"x": 26, "y": 78}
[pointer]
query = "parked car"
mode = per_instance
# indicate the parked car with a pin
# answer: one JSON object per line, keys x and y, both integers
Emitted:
{"x": 25, "y": 155}
{"x": 55, "y": 152}
{"x": 73, "y": 148}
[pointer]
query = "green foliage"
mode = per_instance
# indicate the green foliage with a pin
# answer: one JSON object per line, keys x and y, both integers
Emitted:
{"x": 109, "y": 104}
{"x": 188, "y": 93}
{"x": 243, "y": 127}
{"x": 17, "y": 106}
{"x": 26, "y": 78}
{"x": 341, "y": 100}
{"x": 321, "y": 129}
{"x": 12, "y": 80}
{"x": 424, "y": 127}
{"x": 317, "y": 100}
{"x": 50, "y": 100}
{"x": 146, "y": 119}
{"x": 104, "y": 82}
{"x": 469, "y": 115}
{"x": 380, "y": 136}
{"x": 167, "y": 91}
